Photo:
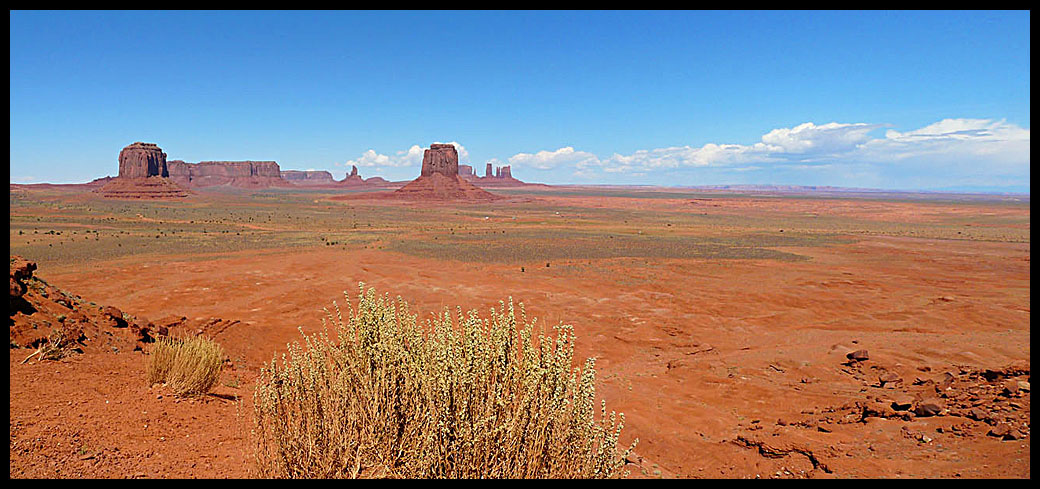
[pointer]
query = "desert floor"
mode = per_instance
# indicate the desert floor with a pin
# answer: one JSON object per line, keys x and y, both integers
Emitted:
{"x": 720, "y": 321}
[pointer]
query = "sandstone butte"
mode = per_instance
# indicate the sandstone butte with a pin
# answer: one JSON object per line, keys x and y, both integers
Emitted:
{"x": 308, "y": 177}
{"x": 501, "y": 176}
{"x": 324, "y": 179}
{"x": 439, "y": 179}
{"x": 143, "y": 174}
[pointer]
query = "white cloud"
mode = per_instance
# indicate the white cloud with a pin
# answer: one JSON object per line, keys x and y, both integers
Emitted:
{"x": 809, "y": 138}
{"x": 404, "y": 158}
{"x": 954, "y": 145}
{"x": 547, "y": 160}
{"x": 951, "y": 151}
{"x": 411, "y": 157}
{"x": 997, "y": 145}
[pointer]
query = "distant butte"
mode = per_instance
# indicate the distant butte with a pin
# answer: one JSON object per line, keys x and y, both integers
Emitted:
{"x": 439, "y": 179}
{"x": 308, "y": 177}
{"x": 143, "y": 174}
{"x": 502, "y": 176}
{"x": 324, "y": 179}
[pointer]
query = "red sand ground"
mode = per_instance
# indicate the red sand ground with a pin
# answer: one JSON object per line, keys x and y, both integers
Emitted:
{"x": 724, "y": 368}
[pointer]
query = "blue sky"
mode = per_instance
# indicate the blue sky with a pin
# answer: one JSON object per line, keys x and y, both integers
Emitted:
{"x": 897, "y": 100}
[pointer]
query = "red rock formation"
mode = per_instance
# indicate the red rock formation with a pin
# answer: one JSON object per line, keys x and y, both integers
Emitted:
{"x": 143, "y": 173}
{"x": 440, "y": 158}
{"x": 466, "y": 171}
{"x": 352, "y": 180}
{"x": 439, "y": 179}
{"x": 42, "y": 314}
{"x": 142, "y": 160}
{"x": 308, "y": 177}
{"x": 439, "y": 186}
{"x": 142, "y": 188}
{"x": 502, "y": 177}
{"x": 249, "y": 174}
{"x": 376, "y": 181}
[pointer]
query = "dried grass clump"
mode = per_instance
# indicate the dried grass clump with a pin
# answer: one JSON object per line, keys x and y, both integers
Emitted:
{"x": 57, "y": 346}
{"x": 462, "y": 398}
{"x": 190, "y": 366}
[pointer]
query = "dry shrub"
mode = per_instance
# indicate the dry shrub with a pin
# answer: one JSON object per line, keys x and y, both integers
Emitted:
{"x": 190, "y": 366}
{"x": 58, "y": 345}
{"x": 469, "y": 398}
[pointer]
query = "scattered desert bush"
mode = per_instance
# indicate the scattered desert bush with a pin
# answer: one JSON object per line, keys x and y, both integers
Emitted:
{"x": 190, "y": 366}
{"x": 467, "y": 397}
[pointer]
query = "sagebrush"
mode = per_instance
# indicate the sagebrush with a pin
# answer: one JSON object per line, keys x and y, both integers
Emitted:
{"x": 462, "y": 397}
{"x": 190, "y": 366}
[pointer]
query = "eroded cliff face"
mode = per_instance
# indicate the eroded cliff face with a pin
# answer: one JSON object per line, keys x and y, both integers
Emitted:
{"x": 501, "y": 176}
{"x": 142, "y": 160}
{"x": 308, "y": 177}
{"x": 442, "y": 159}
{"x": 249, "y": 174}
{"x": 143, "y": 173}
{"x": 439, "y": 179}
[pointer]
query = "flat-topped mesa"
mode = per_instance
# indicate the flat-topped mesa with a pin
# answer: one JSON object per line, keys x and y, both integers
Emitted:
{"x": 249, "y": 174}
{"x": 442, "y": 159}
{"x": 307, "y": 177}
{"x": 505, "y": 172}
{"x": 142, "y": 160}
{"x": 466, "y": 171}
{"x": 240, "y": 168}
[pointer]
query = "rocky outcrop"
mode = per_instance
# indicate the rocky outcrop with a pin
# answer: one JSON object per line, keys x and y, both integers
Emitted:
{"x": 21, "y": 271}
{"x": 324, "y": 179}
{"x": 352, "y": 180}
{"x": 442, "y": 159}
{"x": 56, "y": 323}
{"x": 142, "y": 160}
{"x": 439, "y": 179}
{"x": 143, "y": 173}
{"x": 440, "y": 187}
{"x": 142, "y": 188}
{"x": 377, "y": 181}
{"x": 248, "y": 174}
{"x": 308, "y": 177}
{"x": 501, "y": 176}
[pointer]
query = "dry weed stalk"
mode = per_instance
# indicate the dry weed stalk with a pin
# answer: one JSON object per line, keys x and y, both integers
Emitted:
{"x": 56, "y": 347}
{"x": 190, "y": 366}
{"x": 461, "y": 397}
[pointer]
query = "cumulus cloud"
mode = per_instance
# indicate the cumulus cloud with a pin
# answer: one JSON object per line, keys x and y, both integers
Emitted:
{"x": 808, "y": 138}
{"x": 411, "y": 157}
{"x": 961, "y": 151}
{"x": 547, "y": 160}
{"x": 953, "y": 144}
{"x": 996, "y": 144}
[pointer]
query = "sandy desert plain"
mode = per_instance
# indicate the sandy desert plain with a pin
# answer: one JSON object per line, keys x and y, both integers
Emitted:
{"x": 721, "y": 321}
